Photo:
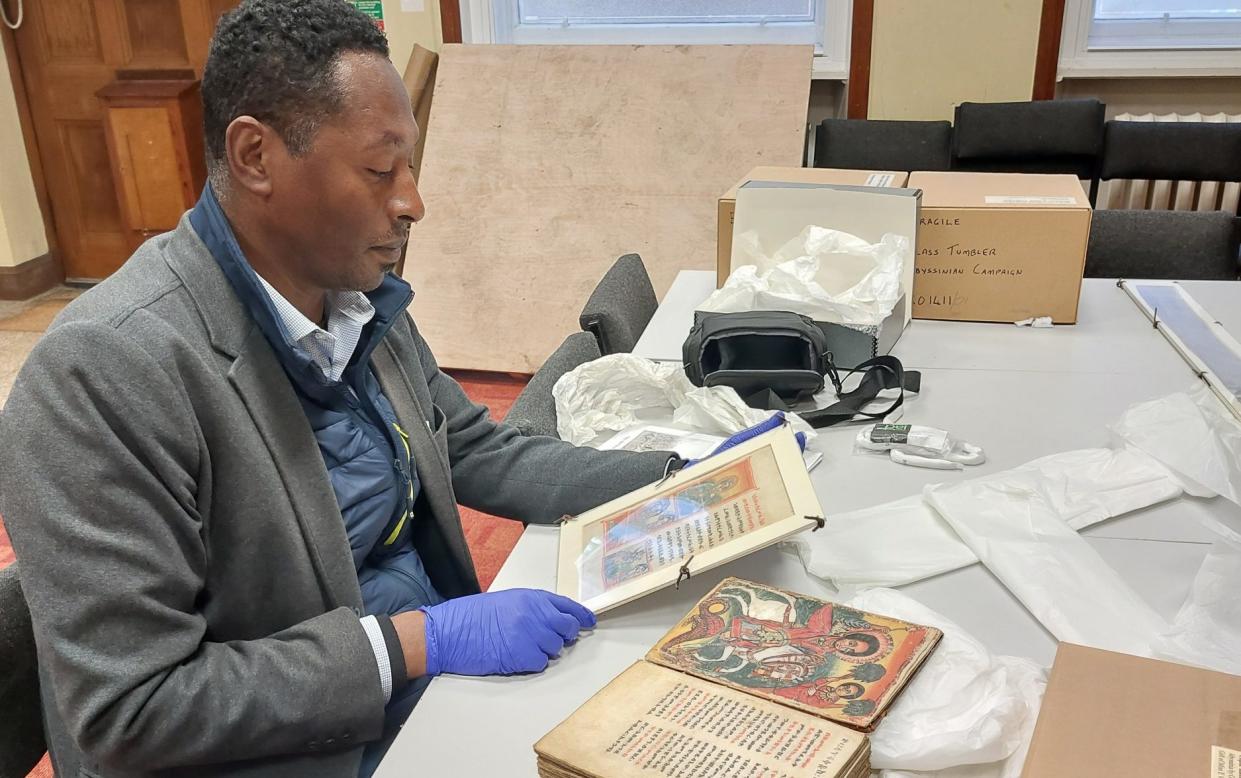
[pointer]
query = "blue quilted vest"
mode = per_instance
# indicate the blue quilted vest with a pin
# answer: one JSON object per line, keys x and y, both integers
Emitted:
{"x": 364, "y": 449}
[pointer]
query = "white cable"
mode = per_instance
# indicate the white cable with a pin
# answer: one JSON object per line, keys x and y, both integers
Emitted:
{"x": 919, "y": 446}
{"x": 4, "y": 14}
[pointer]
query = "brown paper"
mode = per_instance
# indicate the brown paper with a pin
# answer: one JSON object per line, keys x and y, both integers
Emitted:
{"x": 1109, "y": 715}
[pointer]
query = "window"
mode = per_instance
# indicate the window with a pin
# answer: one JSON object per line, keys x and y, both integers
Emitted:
{"x": 1151, "y": 37}
{"x": 823, "y": 23}
{"x": 1165, "y": 24}
{"x": 573, "y": 12}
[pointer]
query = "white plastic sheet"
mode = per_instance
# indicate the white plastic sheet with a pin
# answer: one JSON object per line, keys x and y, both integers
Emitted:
{"x": 892, "y": 544}
{"x": 904, "y": 541}
{"x": 966, "y": 706}
{"x": 1014, "y": 528}
{"x": 1193, "y": 435}
{"x": 615, "y": 392}
{"x": 825, "y": 274}
{"x": 1207, "y": 630}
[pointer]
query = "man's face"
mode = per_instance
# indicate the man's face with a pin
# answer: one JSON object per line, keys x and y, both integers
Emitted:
{"x": 345, "y": 206}
{"x": 850, "y": 690}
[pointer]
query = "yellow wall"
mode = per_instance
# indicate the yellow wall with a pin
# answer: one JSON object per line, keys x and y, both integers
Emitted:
{"x": 21, "y": 225}
{"x": 929, "y": 55}
{"x": 405, "y": 28}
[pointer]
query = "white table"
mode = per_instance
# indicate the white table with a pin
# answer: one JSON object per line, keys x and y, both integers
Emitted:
{"x": 1105, "y": 310}
{"x": 1020, "y": 393}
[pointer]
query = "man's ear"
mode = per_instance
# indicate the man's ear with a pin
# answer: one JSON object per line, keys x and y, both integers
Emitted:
{"x": 250, "y": 149}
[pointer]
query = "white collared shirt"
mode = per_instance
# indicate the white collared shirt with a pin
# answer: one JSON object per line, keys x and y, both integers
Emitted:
{"x": 348, "y": 312}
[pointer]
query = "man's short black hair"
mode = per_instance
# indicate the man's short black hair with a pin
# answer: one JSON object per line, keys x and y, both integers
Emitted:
{"x": 273, "y": 60}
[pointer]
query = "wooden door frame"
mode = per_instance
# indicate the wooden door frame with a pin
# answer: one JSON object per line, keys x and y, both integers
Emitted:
{"x": 861, "y": 36}
{"x": 1047, "y": 61}
{"x": 34, "y": 271}
{"x": 450, "y": 20}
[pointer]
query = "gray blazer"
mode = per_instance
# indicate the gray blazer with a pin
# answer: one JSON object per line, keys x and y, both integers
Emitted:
{"x": 192, "y": 592}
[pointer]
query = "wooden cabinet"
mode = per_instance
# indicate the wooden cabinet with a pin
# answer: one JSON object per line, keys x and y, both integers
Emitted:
{"x": 65, "y": 52}
{"x": 153, "y": 127}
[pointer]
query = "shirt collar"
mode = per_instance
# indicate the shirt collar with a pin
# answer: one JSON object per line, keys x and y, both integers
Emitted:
{"x": 353, "y": 304}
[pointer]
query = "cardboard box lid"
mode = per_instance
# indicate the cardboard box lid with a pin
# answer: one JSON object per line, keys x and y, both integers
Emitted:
{"x": 819, "y": 175}
{"x": 999, "y": 190}
{"x": 780, "y": 210}
{"x": 1107, "y": 714}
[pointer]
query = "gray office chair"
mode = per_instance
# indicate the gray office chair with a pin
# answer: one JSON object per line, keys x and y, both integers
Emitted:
{"x": 874, "y": 144}
{"x": 21, "y": 737}
{"x": 621, "y": 306}
{"x": 1040, "y": 136}
{"x": 534, "y": 410}
{"x": 1172, "y": 151}
{"x": 1163, "y": 244}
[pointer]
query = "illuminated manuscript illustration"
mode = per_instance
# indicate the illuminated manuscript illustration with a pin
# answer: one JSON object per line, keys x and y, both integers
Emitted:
{"x": 841, "y": 663}
{"x": 724, "y": 505}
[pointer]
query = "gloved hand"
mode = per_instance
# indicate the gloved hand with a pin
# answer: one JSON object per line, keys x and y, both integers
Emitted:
{"x": 499, "y": 633}
{"x": 770, "y": 424}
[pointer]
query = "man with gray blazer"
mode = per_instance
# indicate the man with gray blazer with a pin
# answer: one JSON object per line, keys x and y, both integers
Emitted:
{"x": 231, "y": 470}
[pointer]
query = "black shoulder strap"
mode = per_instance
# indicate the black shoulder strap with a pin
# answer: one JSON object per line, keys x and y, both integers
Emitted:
{"x": 878, "y": 374}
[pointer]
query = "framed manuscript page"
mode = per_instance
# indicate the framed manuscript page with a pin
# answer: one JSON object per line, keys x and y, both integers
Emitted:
{"x": 736, "y": 502}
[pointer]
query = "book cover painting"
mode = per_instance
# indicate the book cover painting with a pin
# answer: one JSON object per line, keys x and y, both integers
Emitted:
{"x": 843, "y": 664}
{"x": 719, "y": 506}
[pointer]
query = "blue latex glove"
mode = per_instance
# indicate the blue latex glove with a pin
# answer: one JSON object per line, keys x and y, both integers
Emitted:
{"x": 770, "y": 424}
{"x": 499, "y": 633}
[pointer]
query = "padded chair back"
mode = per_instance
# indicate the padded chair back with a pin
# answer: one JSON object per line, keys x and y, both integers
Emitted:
{"x": 621, "y": 306}
{"x": 1173, "y": 151}
{"x": 1041, "y": 136}
{"x": 21, "y": 737}
{"x": 534, "y": 410}
{"x": 873, "y": 144}
{"x": 1163, "y": 244}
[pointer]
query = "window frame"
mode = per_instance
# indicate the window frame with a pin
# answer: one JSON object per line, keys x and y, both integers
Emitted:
{"x": 494, "y": 21}
{"x": 1143, "y": 47}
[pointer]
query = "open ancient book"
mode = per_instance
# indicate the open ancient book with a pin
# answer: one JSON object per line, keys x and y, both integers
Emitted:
{"x": 753, "y": 681}
{"x": 744, "y": 499}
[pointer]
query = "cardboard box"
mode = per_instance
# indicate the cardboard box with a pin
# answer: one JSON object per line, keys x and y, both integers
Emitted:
{"x": 799, "y": 175}
{"x": 1000, "y": 246}
{"x": 1108, "y": 715}
{"x": 778, "y": 211}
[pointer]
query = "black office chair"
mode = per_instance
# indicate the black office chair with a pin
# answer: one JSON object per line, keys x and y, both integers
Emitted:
{"x": 1042, "y": 136}
{"x": 1163, "y": 244}
{"x": 1172, "y": 151}
{"x": 534, "y": 410}
{"x": 621, "y": 306}
{"x": 21, "y": 737}
{"x": 872, "y": 144}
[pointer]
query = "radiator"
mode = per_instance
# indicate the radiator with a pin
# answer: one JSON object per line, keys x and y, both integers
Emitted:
{"x": 1172, "y": 195}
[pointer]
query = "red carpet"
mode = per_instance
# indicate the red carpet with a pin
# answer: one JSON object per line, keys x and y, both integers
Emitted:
{"x": 490, "y": 538}
{"x": 6, "y": 548}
